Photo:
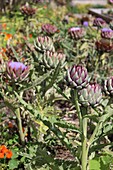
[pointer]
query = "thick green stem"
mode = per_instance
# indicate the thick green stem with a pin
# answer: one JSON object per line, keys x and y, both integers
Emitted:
{"x": 84, "y": 158}
{"x": 83, "y": 129}
{"x": 84, "y": 145}
{"x": 78, "y": 108}
{"x": 20, "y": 126}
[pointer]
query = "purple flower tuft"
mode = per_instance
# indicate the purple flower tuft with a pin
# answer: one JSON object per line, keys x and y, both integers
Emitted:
{"x": 85, "y": 23}
{"x": 17, "y": 65}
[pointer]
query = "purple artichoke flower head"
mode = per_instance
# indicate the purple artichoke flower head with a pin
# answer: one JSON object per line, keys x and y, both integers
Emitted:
{"x": 77, "y": 77}
{"x": 17, "y": 71}
{"x": 76, "y": 32}
{"x": 17, "y": 65}
{"x": 99, "y": 22}
{"x": 91, "y": 95}
{"x": 85, "y": 24}
{"x": 108, "y": 86}
{"x": 107, "y": 33}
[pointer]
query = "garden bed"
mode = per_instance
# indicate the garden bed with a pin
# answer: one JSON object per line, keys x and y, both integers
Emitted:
{"x": 56, "y": 90}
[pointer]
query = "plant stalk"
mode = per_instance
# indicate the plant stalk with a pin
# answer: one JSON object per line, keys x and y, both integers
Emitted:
{"x": 78, "y": 108}
{"x": 83, "y": 129}
{"x": 84, "y": 144}
{"x": 19, "y": 121}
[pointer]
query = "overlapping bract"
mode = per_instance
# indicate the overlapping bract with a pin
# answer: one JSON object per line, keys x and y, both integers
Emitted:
{"x": 17, "y": 71}
{"x": 76, "y": 32}
{"x": 91, "y": 95}
{"x": 44, "y": 43}
{"x": 49, "y": 29}
{"x": 99, "y": 22}
{"x": 107, "y": 33}
{"x": 27, "y": 10}
{"x": 77, "y": 77}
{"x": 108, "y": 86}
{"x": 104, "y": 45}
{"x": 52, "y": 59}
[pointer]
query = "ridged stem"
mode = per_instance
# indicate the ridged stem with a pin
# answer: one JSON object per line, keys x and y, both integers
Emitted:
{"x": 78, "y": 108}
{"x": 84, "y": 158}
{"x": 19, "y": 121}
{"x": 83, "y": 129}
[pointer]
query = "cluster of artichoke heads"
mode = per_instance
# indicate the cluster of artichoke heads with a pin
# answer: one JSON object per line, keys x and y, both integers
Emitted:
{"x": 89, "y": 94}
{"x": 105, "y": 44}
{"x": 45, "y": 46}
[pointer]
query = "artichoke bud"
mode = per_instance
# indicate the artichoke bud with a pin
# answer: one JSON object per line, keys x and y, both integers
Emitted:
{"x": 44, "y": 43}
{"x": 107, "y": 33}
{"x": 76, "y": 32}
{"x": 91, "y": 95}
{"x": 99, "y": 22}
{"x": 77, "y": 77}
{"x": 52, "y": 59}
{"x": 49, "y": 29}
{"x": 104, "y": 45}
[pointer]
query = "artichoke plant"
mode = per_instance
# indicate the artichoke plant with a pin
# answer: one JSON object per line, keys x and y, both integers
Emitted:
{"x": 107, "y": 33}
{"x": 52, "y": 59}
{"x": 104, "y": 45}
{"x": 108, "y": 86}
{"x": 91, "y": 95}
{"x": 76, "y": 32}
{"x": 49, "y": 29}
{"x": 99, "y": 22}
{"x": 44, "y": 43}
{"x": 27, "y": 10}
{"x": 17, "y": 71}
{"x": 77, "y": 77}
